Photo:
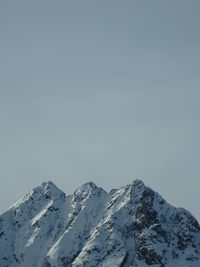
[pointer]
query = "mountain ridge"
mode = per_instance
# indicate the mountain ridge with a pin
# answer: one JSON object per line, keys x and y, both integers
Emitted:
{"x": 129, "y": 226}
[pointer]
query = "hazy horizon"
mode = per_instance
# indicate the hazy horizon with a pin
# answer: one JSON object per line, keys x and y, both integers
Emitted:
{"x": 100, "y": 91}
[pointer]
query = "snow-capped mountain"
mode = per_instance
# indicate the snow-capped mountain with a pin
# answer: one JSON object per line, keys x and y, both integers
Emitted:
{"x": 130, "y": 226}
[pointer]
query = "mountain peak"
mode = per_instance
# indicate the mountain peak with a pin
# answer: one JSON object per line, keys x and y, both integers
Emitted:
{"x": 138, "y": 187}
{"x": 133, "y": 226}
{"x": 49, "y": 185}
{"x": 138, "y": 182}
{"x": 86, "y": 188}
{"x": 89, "y": 185}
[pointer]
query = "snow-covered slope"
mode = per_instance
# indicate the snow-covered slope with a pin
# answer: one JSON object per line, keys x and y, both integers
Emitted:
{"x": 130, "y": 226}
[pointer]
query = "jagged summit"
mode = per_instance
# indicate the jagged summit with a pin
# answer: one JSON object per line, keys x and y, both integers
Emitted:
{"x": 138, "y": 183}
{"x": 48, "y": 184}
{"x": 132, "y": 226}
{"x": 50, "y": 187}
{"x": 87, "y": 187}
{"x": 138, "y": 186}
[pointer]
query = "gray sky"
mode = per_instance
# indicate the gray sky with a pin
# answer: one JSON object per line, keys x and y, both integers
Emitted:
{"x": 100, "y": 90}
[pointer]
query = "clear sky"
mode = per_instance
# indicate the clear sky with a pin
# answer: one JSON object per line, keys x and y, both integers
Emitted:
{"x": 106, "y": 91}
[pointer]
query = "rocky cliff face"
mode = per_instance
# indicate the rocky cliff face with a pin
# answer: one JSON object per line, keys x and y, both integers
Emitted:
{"x": 130, "y": 226}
